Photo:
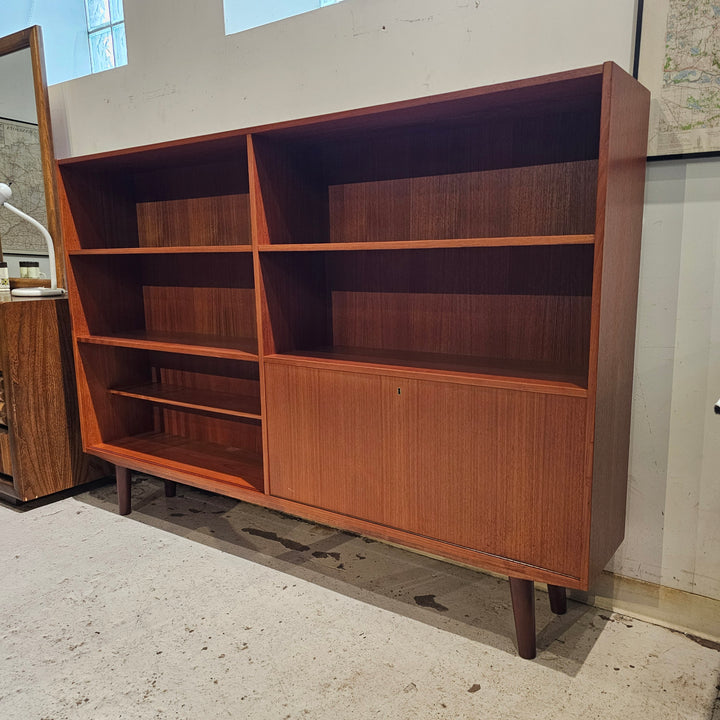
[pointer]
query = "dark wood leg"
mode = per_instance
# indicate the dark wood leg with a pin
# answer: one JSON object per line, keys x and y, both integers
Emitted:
{"x": 558, "y": 599}
{"x": 122, "y": 478}
{"x": 170, "y": 488}
{"x": 522, "y": 593}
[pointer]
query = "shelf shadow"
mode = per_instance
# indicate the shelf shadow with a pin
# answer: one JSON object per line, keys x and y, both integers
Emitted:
{"x": 450, "y": 597}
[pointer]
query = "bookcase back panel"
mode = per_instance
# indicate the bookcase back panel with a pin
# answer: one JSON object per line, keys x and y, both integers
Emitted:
{"x": 462, "y": 145}
{"x": 295, "y": 302}
{"x": 553, "y": 199}
{"x": 110, "y": 294}
{"x": 223, "y": 220}
{"x": 185, "y": 293}
{"x": 100, "y": 210}
{"x": 208, "y": 311}
{"x": 198, "y": 205}
{"x": 460, "y": 178}
{"x": 103, "y": 417}
{"x": 542, "y": 329}
{"x": 246, "y": 435}
{"x": 530, "y": 303}
{"x": 159, "y": 200}
{"x": 207, "y": 374}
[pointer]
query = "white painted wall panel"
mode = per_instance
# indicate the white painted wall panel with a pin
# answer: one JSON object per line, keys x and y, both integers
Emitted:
{"x": 673, "y": 524}
{"x": 185, "y": 77}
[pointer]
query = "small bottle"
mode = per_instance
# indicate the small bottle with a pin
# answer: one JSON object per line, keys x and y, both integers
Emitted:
{"x": 24, "y": 268}
{"x": 33, "y": 269}
{"x": 4, "y": 278}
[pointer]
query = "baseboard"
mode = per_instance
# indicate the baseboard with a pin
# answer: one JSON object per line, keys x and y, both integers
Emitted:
{"x": 675, "y": 609}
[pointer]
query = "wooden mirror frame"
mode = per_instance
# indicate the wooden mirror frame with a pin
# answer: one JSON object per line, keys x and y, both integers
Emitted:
{"x": 32, "y": 38}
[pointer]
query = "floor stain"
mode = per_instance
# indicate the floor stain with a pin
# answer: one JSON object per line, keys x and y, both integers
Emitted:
{"x": 321, "y": 554}
{"x": 428, "y": 601}
{"x": 473, "y": 688}
{"x": 285, "y": 542}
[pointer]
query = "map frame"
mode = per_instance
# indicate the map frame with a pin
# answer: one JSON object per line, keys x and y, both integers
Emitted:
{"x": 691, "y": 91}
{"x": 17, "y": 237}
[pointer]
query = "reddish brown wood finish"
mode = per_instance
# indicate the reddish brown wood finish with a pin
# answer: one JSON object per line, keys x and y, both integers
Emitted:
{"x": 462, "y": 306}
{"x": 189, "y": 343}
{"x": 514, "y": 241}
{"x": 374, "y": 447}
{"x": 192, "y": 399}
{"x": 189, "y": 457}
{"x": 559, "y": 200}
{"x": 204, "y": 204}
{"x": 428, "y": 293}
{"x": 489, "y": 372}
{"x": 291, "y": 200}
{"x": 623, "y": 141}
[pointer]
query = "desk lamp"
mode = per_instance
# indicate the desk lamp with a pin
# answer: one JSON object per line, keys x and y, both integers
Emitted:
{"x": 5, "y": 195}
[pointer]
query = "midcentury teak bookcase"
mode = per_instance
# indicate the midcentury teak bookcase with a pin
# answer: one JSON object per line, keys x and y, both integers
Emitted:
{"x": 414, "y": 321}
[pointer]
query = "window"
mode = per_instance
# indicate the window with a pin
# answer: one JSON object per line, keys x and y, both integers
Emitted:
{"x": 106, "y": 34}
{"x": 245, "y": 14}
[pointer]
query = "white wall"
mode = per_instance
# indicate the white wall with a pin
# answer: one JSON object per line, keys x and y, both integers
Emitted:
{"x": 186, "y": 78}
{"x": 673, "y": 524}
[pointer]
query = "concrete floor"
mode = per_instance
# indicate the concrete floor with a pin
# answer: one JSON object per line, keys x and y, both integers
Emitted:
{"x": 199, "y": 607}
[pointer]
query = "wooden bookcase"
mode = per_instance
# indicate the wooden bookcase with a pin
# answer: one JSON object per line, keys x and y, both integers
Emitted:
{"x": 414, "y": 321}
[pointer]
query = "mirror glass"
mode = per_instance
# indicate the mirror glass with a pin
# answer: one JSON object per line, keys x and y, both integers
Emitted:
{"x": 20, "y": 155}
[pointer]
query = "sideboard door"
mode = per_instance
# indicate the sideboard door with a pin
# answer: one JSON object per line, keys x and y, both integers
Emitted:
{"x": 491, "y": 469}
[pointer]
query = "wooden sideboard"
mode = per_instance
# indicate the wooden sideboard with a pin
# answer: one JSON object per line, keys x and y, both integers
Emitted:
{"x": 40, "y": 447}
{"x": 414, "y": 321}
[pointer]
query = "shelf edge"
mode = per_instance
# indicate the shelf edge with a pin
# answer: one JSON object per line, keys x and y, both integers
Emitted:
{"x": 546, "y": 387}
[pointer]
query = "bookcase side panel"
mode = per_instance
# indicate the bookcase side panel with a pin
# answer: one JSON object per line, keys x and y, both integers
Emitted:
{"x": 620, "y": 208}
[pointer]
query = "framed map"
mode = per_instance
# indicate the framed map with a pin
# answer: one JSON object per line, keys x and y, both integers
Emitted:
{"x": 678, "y": 60}
{"x": 21, "y": 167}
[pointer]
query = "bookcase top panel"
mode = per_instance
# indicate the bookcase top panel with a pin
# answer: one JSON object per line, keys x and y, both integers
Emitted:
{"x": 578, "y": 90}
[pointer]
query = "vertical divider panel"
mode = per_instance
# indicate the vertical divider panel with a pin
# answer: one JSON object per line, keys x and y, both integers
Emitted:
{"x": 259, "y": 236}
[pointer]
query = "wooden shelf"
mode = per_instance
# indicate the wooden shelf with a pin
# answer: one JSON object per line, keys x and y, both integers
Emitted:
{"x": 186, "y": 343}
{"x": 492, "y": 372}
{"x": 222, "y": 403}
{"x": 211, "y": 460}
{"x": 180, "y": 250}
{"x": 431, "y": 244}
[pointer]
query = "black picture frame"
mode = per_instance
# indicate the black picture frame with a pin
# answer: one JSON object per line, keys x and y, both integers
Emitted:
{"x": 651, "y": 36}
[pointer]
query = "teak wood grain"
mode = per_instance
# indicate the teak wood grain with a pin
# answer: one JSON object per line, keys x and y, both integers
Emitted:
{"x": 458, "y": 303}
{"x": 436, "y": 298}
{"x": 617, "y": 262}
{"x": 466, "y": 465}
{"x": 530, "y": 376}
{"x": 558, "y": 200}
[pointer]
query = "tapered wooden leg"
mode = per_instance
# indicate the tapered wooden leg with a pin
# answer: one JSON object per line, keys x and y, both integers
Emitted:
{"x": 170, "y": 488}
{"x": 122, "y": 478}
{"x": 558, "y": 599}
{"x": 522, "y": 593}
